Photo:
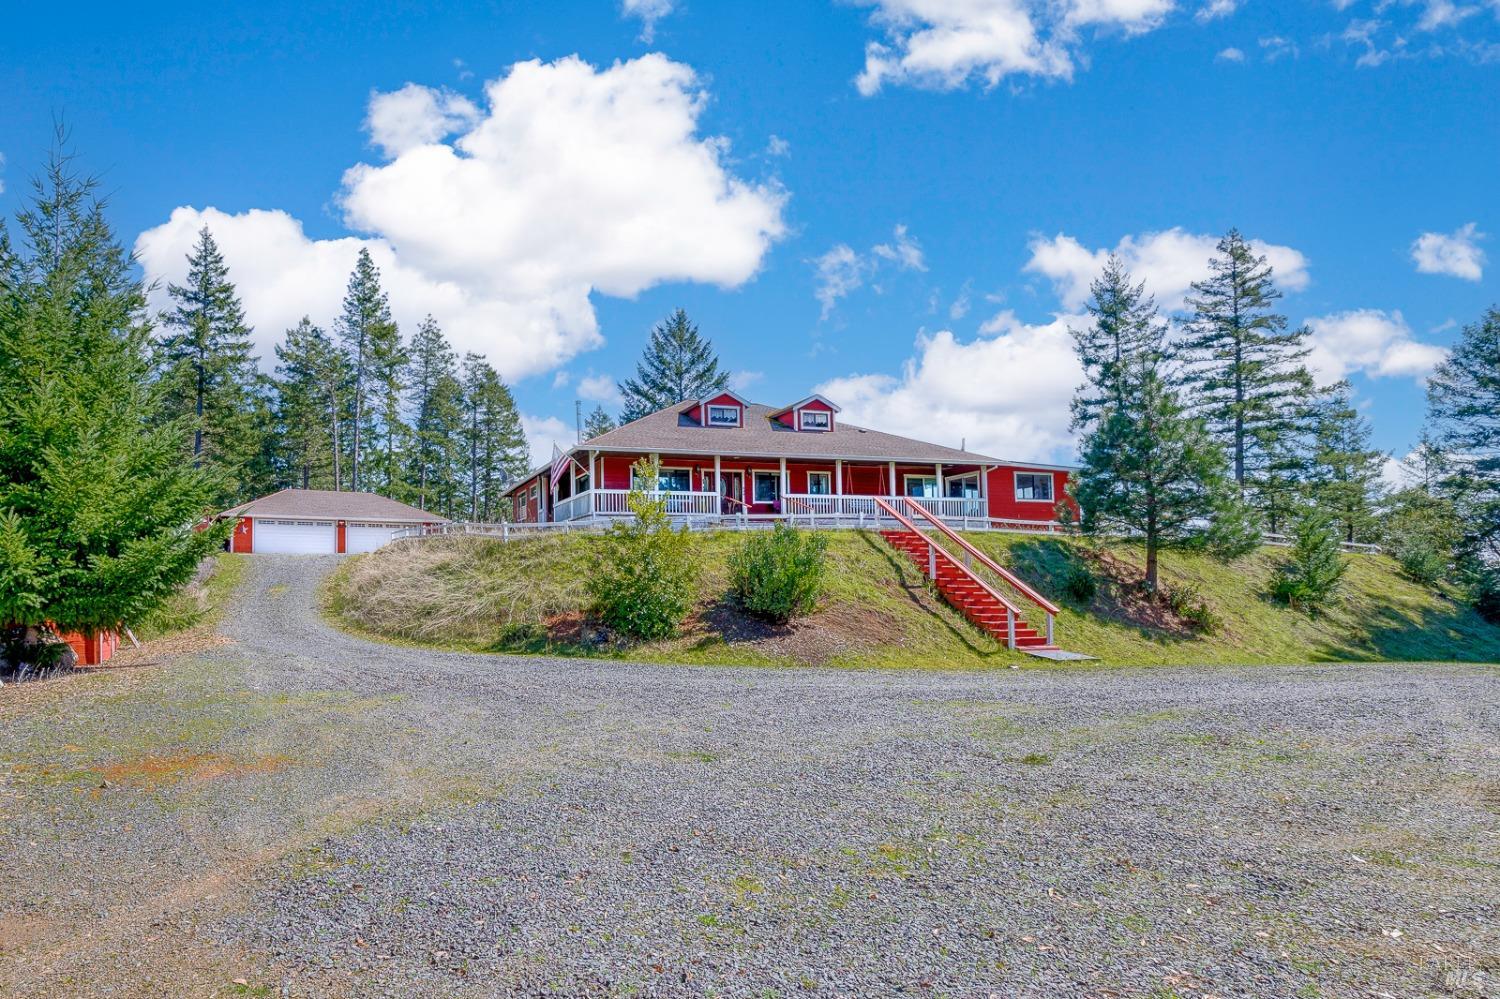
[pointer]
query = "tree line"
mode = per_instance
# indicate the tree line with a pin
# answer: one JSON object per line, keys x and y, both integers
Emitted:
{"x": 1211, "y": 434}
{"x": 357, "y": 408}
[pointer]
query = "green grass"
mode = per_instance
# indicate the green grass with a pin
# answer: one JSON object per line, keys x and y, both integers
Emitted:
{"x": 480, "y": 594}
{"x": 197, "y": 604}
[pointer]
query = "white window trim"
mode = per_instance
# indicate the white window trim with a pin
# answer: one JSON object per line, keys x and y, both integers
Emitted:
{"x": 827, "y": 477}
{"x": 708, "y": 411}
{"x": 667, "y": 468}
{"x": 951, "y": 479}
{"x": 1016, "y": 487}
{"x": 906, "y": 478}
{"x": 755, "y": 476}
{"x": 803, "y": 414}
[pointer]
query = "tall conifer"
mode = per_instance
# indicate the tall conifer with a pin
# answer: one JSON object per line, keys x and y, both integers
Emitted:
{"x": 312, "y": 394}
{"x": 1345, "y": 470}
{"x": 679, "y": 363}
{"x": 370, "y": 338}
{"x": 1125, "y": 325}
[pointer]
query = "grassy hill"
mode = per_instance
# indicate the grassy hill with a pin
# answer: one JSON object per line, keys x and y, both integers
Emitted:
{"x": 528, "y": 596}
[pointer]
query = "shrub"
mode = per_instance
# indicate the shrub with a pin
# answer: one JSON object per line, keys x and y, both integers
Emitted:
{"x": 1192, "y": 608}
{"x": 646, "y": 577}
{"x": 1485, "y": 594}
{"x": 779, "y": 575}
{"x": 1420, "y": 559}
{"x": 1315, "y": 570}
{"x": 1078, "y": 583}
{"x": 1235, "y": 531}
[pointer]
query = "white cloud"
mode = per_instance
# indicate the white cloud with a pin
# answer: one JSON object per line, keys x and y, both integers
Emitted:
{"x": 649, "y": 11}
{"x": 1215, "y": 9}
{"x": 1168, "y": 262}
{"x": 1231, "y": 54}
{"x": 1437, "y": 14}
{"x": 1006, "y": 392}
{"x": 600, "y": 388}
{"x": 1456, "y": 254}
{"x": 1277, "y": 46}
{"x": 1395, "y": 475}
{"x": 572, "y": 180}
{"x": 740, "y": 381}
{"x": 842, "y": 270}
{"x": 542, "y": 432}
{"x": 1371, "y": 341}
{"x": 777, "y": 146}
{"x": 2, "y": 167}
{"x": 945, "y": 44}
{"x": 903, "y": 251}
{"x": 417, "y": 116}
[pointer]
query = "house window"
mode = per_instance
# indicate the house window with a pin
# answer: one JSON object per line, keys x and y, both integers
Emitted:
{"x": 670, "y": 480}
{"x": 767, "y": 487}
{"x": 1034, "y": 486}
{"x": 723, "y": 416}
{"x": 921, "y": 485}
{"x": 820, "y": 483}
{"x": 815, "y": 419}
{"x": 583, "y": 482}
{"x": 962, "y": 486}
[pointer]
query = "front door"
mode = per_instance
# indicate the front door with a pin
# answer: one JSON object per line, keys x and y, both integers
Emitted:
{"x": 732, "y": 489}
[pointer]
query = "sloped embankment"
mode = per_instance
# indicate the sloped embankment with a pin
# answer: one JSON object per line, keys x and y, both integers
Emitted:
{"x": 529, "y": 596}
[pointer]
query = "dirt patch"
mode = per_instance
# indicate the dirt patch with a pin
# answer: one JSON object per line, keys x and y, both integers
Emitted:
{"x": 157, "y": 771}
{"x": 813, "y": 640}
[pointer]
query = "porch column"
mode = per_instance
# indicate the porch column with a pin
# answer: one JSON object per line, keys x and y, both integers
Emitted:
{"x": 892, "y": 491}
{"x": 718, "y": 484}
{"x": 594, "y": 484}
{"x": 785, "y": 481}
{"x": 940, "y": 479}
{"x": 984, "y": 484}
{"x": 838, "y": 476}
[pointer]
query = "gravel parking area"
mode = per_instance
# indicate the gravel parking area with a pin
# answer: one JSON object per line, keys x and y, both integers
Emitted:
{"x": 298, "y": 812}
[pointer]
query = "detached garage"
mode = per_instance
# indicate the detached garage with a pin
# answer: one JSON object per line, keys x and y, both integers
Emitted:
{"x": 321, "y": 522}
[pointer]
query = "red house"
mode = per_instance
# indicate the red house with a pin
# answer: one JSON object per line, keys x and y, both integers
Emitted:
{"x": 725, "y": 457}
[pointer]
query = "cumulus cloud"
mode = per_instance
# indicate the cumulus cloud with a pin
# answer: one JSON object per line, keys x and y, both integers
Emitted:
{"x": 1215, "y": 9}
{"x": 1455, "y": 254}
{"x": 600, "y": 388}
{"x": 843, "y": 269}
{"x": 945, "y": 44}
{"x": 542, "y": 432}
{"x": 416, "y": 116}
{"x": 1006, "y": 392}
{"x": 1231, "y": 54}
{"x": 649, "y": 11}
{"x": 570, "y": 180}
{"x": 1370, "y": 341}
{"x": 1168, "y": 262}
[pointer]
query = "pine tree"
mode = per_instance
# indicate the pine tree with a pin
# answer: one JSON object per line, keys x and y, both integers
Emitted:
{"x": 1345, "y": 472}
{"x": 437, "y": 403}
{"x": 312, "y": 395}
{"x": 494, "y": 442}
{"x": 598, "y": 422}
{"x": 388, "y": 360}
{"x": 679, "y": 363}
{"x": 1463, "y": 400}
{"x": 1244, "y": 367}
{"x": 1125, "y": 325}
{"x": 206, "y": 370}
{"x": 97, "y": 505}
{"x": 371, "y": 340}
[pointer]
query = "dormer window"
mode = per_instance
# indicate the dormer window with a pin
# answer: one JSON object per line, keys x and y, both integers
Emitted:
{"x": 816, "y": 419}
{"x": 723, "y": 416}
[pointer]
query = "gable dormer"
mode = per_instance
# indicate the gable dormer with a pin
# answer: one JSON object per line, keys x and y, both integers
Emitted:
{"x": 725, "y": 411}
{"x": 814, "y": 414}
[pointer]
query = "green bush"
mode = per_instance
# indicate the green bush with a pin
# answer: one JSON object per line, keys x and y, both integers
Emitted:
{"x": 647, "y": 575}
{"x": 1188, "y": 605}
{"x": 1234, "y": 531}
{"x": 1420, "y": 559}
{"x": 778, "y": 575}
{"x": 1315, "y": 570}
{"x": 1078, "y": 583}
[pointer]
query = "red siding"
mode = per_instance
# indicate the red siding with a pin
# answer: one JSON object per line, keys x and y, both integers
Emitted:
{"x": 244, "y": 536}
{"x": 1002, "y": 490}
{"x": 93, "y": 649}
{"x": 338, "y": 545}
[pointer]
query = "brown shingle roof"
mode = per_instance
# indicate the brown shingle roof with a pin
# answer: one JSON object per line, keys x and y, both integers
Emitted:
{"x": 328, "y": 504}
{"x": 670, "y": 431}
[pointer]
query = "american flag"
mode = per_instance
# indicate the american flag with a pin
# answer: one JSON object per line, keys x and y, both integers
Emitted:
{"x": 559, "y": 465}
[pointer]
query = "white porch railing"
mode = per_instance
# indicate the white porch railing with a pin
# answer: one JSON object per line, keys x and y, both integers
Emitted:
{"x": 856, "y": 507}
{"x": 615, "y": 503}
{"x": 574, "y": 507}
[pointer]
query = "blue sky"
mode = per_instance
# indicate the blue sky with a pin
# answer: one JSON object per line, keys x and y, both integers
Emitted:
{"x": 897, "y": 202}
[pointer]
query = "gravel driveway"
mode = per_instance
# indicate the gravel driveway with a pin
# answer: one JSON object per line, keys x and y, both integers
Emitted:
{"x": 298, "y": 812}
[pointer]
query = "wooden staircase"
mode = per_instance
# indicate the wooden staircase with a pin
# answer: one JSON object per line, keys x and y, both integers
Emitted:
{"x": 956, "y": 580}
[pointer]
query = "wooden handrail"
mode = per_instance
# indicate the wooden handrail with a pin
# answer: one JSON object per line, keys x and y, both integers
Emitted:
{"x": 990, "y": 563}
{"x": 901, "y": 519}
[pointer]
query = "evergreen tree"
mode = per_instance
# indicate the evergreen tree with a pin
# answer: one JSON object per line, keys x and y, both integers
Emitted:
{"x": 1244, "y": 366}
{"x": 1125, "y": 325}
{"x": 598, "y": 422}
{"x": 1345, "y": 474}
{"x": 438, "y": 407}
{"x": 371, "y": 340}
{"x": 679, "y": 363}
{"x": 1463, "y": 399}
{"x": 389, "y": 436}
{"x": 207, "y": 373}
{"x": 494, "y": 442}
{"x": 97, "y": 505}
{"x": 312, "y": 396}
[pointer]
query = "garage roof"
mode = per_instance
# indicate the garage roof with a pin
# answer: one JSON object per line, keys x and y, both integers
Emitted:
{"x": 328, "y": 504}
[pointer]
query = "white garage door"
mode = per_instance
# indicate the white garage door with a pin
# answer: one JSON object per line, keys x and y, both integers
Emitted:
{"x": 366, "y": 537}
{"x": 294, "y": 537}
